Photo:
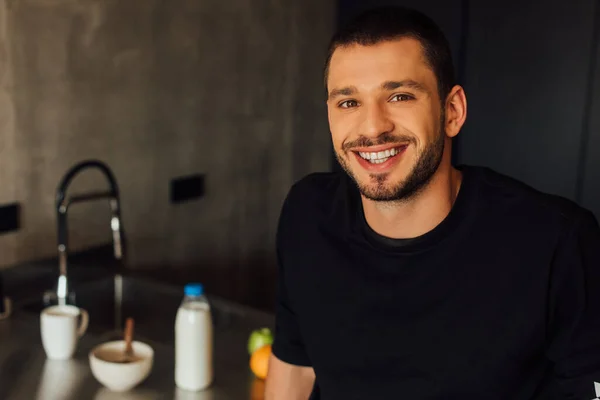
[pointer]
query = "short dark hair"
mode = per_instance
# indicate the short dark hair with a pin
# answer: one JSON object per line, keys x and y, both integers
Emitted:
{"x": 391, "y": 23}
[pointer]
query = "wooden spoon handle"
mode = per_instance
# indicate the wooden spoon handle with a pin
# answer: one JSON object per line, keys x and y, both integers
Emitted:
{"x": 128, "y": 336}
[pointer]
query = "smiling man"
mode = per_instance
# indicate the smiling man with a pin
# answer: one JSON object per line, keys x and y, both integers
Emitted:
{"x": 405, "y": 277}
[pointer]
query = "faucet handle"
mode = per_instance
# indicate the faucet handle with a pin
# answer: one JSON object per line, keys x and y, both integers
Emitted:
{"x": 116, "y": 233}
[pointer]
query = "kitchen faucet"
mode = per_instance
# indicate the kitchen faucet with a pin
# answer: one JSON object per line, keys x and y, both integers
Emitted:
{"x": 62, "y": 206}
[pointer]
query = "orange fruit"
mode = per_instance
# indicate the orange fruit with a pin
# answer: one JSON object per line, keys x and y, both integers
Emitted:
{"x": 259, "y": 361}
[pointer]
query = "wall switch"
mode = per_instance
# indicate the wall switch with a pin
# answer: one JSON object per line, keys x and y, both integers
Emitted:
{"x": 187, "y": 188}
{"x": 10, "y": 217}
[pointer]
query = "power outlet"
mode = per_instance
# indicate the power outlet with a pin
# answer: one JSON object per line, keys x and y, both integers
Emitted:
{"x": 187, "y": 188}
{"x": 10, "y": 217}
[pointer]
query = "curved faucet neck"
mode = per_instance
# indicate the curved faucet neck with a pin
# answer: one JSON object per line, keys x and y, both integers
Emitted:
{"x": 62, "y": 206}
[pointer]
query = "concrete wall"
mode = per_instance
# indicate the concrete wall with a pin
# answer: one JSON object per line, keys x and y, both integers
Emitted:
{"x": 159, "y": 89}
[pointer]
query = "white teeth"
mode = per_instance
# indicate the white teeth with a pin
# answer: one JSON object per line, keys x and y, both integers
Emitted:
{"x": 379, "y": 160}
{"x": 379, "y": 157}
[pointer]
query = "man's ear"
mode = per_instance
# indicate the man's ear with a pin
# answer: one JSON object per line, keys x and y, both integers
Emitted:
{"x": 456, "y": 111}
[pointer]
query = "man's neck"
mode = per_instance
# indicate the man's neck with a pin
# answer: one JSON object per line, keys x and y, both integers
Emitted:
{"x": 419, "y": 215}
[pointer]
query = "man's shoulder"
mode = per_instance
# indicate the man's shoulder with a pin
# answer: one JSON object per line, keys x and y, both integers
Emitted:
{"x": 316, "y": 187}
{"x": 314, "y": 198}
{"x": 506, "y": 193}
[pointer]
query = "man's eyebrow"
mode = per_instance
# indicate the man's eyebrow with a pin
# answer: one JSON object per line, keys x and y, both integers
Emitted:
{"x": 389, "y": 85}
{"x": 407, "y": 83}
{"x": 345, "y": 91}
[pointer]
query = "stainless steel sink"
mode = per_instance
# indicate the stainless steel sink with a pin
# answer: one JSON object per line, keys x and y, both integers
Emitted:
{"x": 153, "y": 305}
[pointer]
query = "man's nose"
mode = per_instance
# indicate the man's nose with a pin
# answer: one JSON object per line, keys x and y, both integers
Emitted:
{"x": 376, "y": 121}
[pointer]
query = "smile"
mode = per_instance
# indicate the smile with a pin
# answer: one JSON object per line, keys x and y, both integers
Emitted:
{"x": 380, "y": 156}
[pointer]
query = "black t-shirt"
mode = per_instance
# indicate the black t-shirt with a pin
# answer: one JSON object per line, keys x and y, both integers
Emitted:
{"x": 375, "y": 237}
{"x": 500, "y": 301}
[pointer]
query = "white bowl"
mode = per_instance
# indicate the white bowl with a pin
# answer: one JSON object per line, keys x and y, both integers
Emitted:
{"x": 116, "y": 376}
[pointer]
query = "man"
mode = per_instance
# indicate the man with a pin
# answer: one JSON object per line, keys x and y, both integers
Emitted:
{"x": 408, "y": 278}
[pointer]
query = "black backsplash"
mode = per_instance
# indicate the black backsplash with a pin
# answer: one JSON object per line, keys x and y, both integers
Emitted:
{"x": 9, "y": 217}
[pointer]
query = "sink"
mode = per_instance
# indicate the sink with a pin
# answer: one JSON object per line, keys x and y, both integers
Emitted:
{"x": 153, "y": 305}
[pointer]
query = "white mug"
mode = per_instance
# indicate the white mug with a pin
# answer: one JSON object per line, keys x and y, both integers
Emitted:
{"x": 61, "y": 329}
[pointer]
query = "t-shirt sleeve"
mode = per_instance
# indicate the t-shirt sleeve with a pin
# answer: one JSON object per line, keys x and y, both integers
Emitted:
{"x": 288, "y": 345}
{"x": 574, "y": 312}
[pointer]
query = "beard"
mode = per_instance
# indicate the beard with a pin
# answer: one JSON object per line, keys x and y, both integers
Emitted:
{"x": 378, "y": 189}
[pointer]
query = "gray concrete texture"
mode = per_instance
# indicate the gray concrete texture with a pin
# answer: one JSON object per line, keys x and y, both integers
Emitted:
{"x": 159, "y": 89}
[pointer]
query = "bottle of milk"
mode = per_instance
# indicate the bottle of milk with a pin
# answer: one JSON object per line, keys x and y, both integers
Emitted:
{"x": 193, "y": 341}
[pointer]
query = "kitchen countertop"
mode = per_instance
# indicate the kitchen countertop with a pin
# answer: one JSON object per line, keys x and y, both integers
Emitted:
{"x": 26, "y": 374}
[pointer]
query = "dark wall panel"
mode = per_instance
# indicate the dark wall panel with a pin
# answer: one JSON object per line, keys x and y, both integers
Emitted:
{"x": 526, "y": 77}
{"x": 590, "y": 179}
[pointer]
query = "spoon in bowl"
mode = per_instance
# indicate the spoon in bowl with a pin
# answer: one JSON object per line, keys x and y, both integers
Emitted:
{"x": 128, "y": 355}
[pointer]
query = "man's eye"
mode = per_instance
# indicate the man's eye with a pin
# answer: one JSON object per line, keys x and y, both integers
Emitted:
{"x": 401, "y": 97}
{"x": 348, "y": 104}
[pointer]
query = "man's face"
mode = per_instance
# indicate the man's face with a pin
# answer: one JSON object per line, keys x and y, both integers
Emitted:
{"x": 385, "y": 117}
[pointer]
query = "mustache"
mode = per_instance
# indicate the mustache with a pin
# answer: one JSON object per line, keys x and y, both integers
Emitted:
{"x": 385, "y": 138}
